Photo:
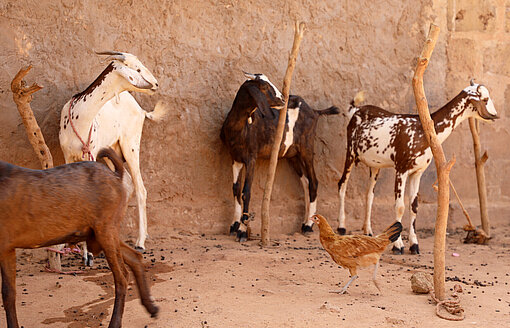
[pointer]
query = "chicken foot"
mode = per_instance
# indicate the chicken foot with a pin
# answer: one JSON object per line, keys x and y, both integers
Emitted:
{"x": 344, "y": 289}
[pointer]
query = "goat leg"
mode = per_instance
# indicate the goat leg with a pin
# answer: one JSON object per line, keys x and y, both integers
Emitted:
{"x": 134, "y": 260}
{"x": 8, "y": 268}
{"x": 118, "y": 269}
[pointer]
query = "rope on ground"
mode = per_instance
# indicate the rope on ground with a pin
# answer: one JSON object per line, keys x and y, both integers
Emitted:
{"x": 451, "y": 306}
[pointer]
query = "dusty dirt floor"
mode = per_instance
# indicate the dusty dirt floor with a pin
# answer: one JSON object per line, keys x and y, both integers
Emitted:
{"x": 212, "y": 281}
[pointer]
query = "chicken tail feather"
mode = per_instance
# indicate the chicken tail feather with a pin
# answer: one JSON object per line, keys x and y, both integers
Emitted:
{"x": 393, "y": 231}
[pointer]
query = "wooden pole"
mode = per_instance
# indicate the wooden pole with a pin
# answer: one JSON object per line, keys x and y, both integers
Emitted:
{"x": 22, "y": 97}
{"x": 480, "y": 175}
{"x": 442, "y": 166}
{"x": 299, "y": 29}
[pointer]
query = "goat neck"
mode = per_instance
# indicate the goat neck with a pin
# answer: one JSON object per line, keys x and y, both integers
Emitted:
{"x": 85, "y": 105}
{"x": 448, "y": 117}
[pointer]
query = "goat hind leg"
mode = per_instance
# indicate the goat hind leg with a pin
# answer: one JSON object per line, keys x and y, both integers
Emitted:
{"x": 134, "y": 260}
{"x": 367, "y": 226}
{"x": 400, "y": 184}
{"x": 312, "y": 191}
{"x": 342, "y": 188}
{"x": 8, "y": 268}
{"x": 298, "y": 167}
{"x": 414, "y": 186}
{"x": 111, "y": 246}
{"x": 133, "y": 161}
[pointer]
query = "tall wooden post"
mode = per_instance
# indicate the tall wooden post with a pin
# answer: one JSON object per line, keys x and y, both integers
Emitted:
{"x": 22, "y": 96}
{"x": 299, "y": 29}
{"x": 442, "y": 166}
{"x": 480, "y": 175}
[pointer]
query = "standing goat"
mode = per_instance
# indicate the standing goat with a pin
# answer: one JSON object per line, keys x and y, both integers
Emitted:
{"x": 249, "y": 132}
{"x": 382, "y": 139}
{"x": 71, "y": 203}
{"x": 107, "y": 115}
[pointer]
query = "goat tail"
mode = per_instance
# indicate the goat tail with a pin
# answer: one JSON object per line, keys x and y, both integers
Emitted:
{"x": 114, "y": 158}
{"x": 392, "y": 232}
{"x": 355, "y": 102}
{"x": 329, "y": 111}
{"x": 159, "y": 112}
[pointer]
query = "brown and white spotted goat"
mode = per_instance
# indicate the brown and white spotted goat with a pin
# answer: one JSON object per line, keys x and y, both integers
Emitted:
{"x": 382, "y": 139}
{"x": 249, "y": 132}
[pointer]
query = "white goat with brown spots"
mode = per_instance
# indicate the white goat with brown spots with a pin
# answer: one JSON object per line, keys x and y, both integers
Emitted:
{"x": 107, "y": 115}
{"x": 382, "y": 139}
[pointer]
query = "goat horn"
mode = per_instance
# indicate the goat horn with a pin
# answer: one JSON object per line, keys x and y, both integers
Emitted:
{"x": 472, "y": 82}
{"x": 112, "y": 55}
{"x": 250, "y": 75}
{"x": 108, "y": 53}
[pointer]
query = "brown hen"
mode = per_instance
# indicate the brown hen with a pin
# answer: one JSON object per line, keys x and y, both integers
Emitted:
{"x": 353, "y": 251}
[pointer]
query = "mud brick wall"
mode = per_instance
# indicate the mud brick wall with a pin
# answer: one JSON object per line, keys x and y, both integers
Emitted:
{"x": 197, "y": 50}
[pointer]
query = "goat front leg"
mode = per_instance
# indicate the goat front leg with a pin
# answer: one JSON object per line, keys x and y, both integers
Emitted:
{"x": 342, "y": 188}
{"x": 367, "y": 226}
{"x": 298, "y": 166}
{"x": 134, "y": 260}
{"x": 400, "y": 185}
{"x": 8, "y": 268}
{"x": 236, "y": 189}
{"x": 414, "y": 187}
{"x": 242, "y": 233}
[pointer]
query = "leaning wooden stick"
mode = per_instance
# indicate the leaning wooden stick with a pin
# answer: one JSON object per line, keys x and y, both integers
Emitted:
{"x": 443, "y": 167}
{"x": 22, "y": 97}
{"x": 480, "y": 175}
{"x": 298, "y": 36}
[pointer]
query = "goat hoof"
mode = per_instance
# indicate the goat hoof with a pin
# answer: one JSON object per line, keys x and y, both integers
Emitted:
{"x": 140, "y": 249}
{"x": 341, "y": 231}
{"x": 414, "y": 249}
{"x": 89, "y": 260}
{"x": 154, "y": 312}
{"x": 369, "y": 234}
{"x": 306, "y": 229}
{"x": 397, "y": 251}
{"x": 234, "y": 228}
{"x": 242, "y": 236}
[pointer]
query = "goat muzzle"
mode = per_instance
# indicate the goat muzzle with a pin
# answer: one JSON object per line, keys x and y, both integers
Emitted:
{"x": 483, "y": 112}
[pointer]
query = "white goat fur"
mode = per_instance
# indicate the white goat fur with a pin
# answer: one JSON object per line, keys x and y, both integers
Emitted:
{"x": 116, "y": 120}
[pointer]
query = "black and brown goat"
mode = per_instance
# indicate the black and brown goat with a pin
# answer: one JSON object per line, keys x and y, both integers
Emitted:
{"x": 83, "y": 201}
{"x": 382, "y": 139}
{"x": 249, "y": 132}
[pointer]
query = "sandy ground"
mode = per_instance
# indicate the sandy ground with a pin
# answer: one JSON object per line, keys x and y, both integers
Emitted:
{"x": 212, "y": 281}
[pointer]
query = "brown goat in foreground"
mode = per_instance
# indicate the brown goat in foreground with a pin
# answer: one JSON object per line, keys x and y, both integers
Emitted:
{"x": 83, "y": 201}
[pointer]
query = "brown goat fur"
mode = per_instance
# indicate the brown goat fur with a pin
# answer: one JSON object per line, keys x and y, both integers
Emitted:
{"x": 83, "y": 201}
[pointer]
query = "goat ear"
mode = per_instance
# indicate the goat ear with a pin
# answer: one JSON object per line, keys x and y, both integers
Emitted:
{"x": 260, "y": 100}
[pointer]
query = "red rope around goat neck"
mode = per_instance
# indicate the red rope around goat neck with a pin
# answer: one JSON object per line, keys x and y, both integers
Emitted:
{"x": 86, "y": 146}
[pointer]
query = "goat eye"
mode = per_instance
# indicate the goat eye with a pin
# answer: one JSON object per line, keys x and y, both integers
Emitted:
{"x": 138, "y": 70}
